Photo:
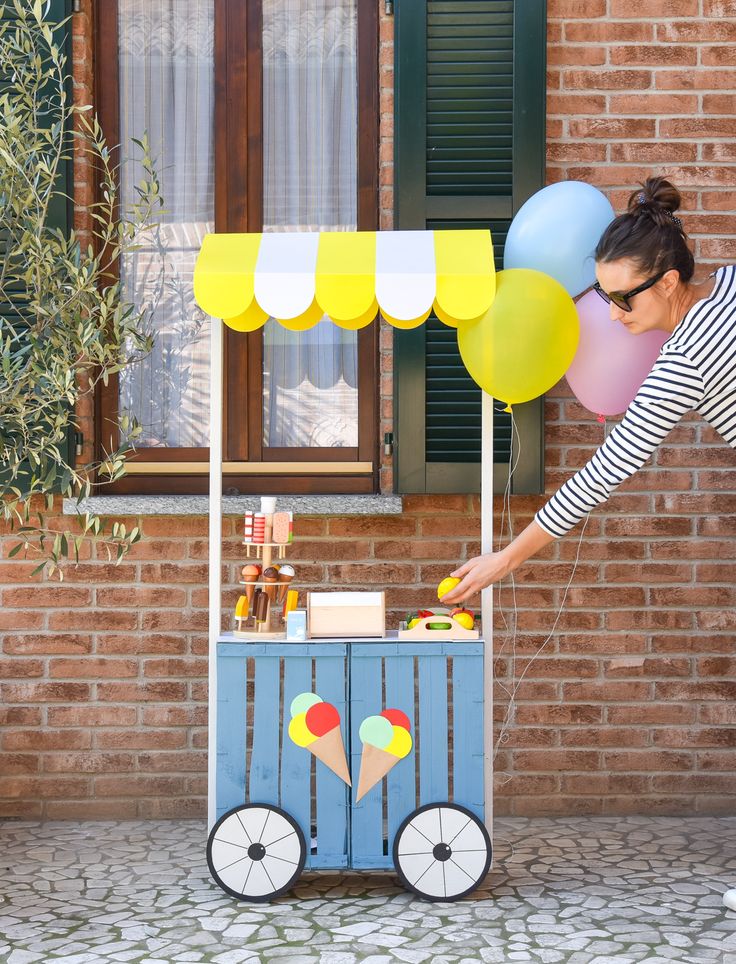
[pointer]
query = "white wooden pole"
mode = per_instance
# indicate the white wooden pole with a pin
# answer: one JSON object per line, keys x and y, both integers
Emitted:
{"x": 486, "y": 605}
{"x": 215, "y": 554}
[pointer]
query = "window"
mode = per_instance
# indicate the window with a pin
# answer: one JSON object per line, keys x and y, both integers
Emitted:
{"x": 262, "y": 116}
{"x": 469, "y": 150}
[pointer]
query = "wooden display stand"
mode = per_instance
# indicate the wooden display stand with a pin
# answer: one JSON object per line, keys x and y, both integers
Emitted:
{"x": 263, "y": 551}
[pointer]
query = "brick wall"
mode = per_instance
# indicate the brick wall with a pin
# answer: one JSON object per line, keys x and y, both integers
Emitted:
{"x": 629, "y": 707}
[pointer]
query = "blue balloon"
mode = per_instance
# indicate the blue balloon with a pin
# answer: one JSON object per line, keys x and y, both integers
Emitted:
{"x": 556, "y": 232}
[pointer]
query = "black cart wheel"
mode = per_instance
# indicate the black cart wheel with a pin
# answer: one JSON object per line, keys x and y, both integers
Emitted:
{"x": 256, "y": 852}
{"x": 442, "y": 851}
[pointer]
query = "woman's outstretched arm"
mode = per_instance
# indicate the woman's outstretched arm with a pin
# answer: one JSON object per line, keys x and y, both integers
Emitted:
{"x": 481, "y": 571}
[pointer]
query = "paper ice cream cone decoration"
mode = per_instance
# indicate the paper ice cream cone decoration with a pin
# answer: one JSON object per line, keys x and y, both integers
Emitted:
{"x": 315, "y": 725}
{"x": 386, "y": 740}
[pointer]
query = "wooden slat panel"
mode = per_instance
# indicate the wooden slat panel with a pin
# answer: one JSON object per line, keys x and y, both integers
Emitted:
{"x": 367, "y": 816}
{"x": 295, "y": 760}
{"x": 263, "y": 779}
{"x": 468, "y": 728}
{"x": 433, "y": 726}
{"x": 401, "y": 789}
{"x": 231, "y": 730}
{"x": 333, "y": 800}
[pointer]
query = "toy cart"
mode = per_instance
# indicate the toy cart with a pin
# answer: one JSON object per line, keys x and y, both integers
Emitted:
{"x": 281, "y": 811}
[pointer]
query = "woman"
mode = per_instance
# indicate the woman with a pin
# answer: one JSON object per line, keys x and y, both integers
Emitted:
{"x": 644, "y": 269}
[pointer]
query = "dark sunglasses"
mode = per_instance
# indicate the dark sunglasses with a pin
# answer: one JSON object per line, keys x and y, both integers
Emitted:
{"x": 621, "y": 298}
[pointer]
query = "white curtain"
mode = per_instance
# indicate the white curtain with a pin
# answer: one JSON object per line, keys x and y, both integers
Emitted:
{"x": 167, "y": 90}
{"x": 310, "y": 183}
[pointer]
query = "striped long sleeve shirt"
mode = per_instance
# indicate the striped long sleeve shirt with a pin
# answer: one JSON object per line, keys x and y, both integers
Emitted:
{"x": 696, "y": 369}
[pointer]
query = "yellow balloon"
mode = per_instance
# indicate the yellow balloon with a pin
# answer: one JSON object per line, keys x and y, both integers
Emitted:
{"x": 298, "y": 731}
{"x": 401, "y": 743}
{"x": 526, "y": 340}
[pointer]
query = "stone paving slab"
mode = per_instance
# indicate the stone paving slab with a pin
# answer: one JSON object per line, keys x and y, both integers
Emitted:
{"x": 593, "y": 890}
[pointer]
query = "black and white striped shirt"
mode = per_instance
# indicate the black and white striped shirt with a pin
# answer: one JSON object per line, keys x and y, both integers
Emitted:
{"x": 696, "y": 369}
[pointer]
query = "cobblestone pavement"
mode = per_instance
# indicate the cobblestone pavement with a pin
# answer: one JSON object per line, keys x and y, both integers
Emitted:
{"x": 580, "y": 890}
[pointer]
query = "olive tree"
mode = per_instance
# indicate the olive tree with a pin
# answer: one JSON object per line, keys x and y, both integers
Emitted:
{"x": 64, "y": 323}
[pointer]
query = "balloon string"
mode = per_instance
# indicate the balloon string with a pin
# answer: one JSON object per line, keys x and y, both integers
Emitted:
{"x": 510, "y": 713}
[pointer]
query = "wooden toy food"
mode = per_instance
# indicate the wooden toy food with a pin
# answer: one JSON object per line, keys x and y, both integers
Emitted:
{"x": 447, "y": 585}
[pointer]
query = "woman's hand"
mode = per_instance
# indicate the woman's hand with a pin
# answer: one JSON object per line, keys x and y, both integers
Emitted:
{"x": 476, "y": 574}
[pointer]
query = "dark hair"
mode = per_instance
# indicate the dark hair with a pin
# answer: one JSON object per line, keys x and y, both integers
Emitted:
{"x": 649, "y": 233}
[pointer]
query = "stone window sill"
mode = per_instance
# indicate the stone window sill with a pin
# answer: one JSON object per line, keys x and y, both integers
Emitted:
{"x": 133, "y": 505}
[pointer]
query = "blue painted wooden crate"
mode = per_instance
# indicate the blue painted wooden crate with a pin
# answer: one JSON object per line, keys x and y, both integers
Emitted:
{"x": 438, "y": 685}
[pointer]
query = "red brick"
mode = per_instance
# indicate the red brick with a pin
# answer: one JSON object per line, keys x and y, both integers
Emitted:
{"x": 637, "y": 151}
{"x": 638, "y": 715}
{"x": 148, "y": 644}
{"x": 20, "y": 668}
{"x": 92, "y": 762}
{"x": 46, "y": 597}
{"x": 172, "y": 762}
{"x": 655, "y": 55}
{"x": 718, "y": 56}
{"x": 605, "y": 736}
{"x": 695, "y": 80}
{"x": 579, "y": 56}
{"x": 166, "y": 692}
{"x": 646, "y": 760}
{"x": 94, "y": 620}
{"x": 609, "y": 32}
{"x": 607, "y": 690}
{"x": 25, "y": 786}
{"x": 556, "y": 760}
{"x": 47, "y": 740}
{"x": 16, "y": 620}
{"x": 607, "y": 79}
{"x": 91, "y": 716}
{"x": 20, "y": 716}
{"x": 91, "y": 667}
{"x": 175, "y": 667}
{"x": 576, "y": 104}
{"x": 44, "y": 692}
{"x": 175, "y": 716}
{"x": 140, "y": 740}
{"x": 653, "y": 9}
{"x": 142, "y": 597}
{"x": 576, "y": 9}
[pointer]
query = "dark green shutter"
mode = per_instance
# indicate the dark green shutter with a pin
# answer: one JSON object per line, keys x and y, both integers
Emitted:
{"x": 469, "y": 150}
{"x": 60, "y": 212}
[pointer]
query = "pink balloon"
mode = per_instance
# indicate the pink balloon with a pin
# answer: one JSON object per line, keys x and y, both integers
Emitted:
{"x": 610, "y": 363}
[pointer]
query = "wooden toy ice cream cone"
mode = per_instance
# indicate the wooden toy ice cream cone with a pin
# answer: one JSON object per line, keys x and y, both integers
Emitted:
{"x": 386, "y": 740}
{"x": 374, "y": 765}
{"x": 315, "y": 725}
{"x": 331, "y": 751}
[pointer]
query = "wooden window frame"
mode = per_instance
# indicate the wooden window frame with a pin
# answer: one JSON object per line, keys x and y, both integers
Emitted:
{"x": 249, "y": 466}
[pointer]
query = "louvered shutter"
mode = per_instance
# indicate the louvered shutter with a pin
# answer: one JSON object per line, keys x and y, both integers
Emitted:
{"x": 469, "y": 150}
{"x": 60, "y": 210}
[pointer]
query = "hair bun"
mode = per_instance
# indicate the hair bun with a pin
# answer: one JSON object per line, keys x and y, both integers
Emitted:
{"x": 658, "y": 199}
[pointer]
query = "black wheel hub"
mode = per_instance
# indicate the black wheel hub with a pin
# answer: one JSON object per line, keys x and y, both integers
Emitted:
{"x": 442, "y": 852}
{"x": 256, "y": 851}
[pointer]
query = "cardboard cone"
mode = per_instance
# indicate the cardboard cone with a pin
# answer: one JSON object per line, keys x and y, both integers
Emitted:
{"x": 331, "y": 751}
{"x": 374, "y": 765}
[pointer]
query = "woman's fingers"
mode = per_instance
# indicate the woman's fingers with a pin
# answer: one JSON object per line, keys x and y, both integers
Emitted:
{"x": 476, "y": 573}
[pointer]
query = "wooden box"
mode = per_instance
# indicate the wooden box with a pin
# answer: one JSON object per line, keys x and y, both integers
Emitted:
{"x": 357, "y": 614}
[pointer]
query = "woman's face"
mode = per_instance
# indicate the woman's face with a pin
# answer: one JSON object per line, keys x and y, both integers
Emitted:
{"x": 650, "y": 309}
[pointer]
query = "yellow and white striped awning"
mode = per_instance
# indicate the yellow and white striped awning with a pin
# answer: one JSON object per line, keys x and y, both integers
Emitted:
{"x": 297, "y": 277}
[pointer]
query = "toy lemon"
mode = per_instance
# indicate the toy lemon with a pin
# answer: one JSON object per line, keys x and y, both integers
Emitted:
{"x": 446, "y": 586}
{"x": 464, "y": 618}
